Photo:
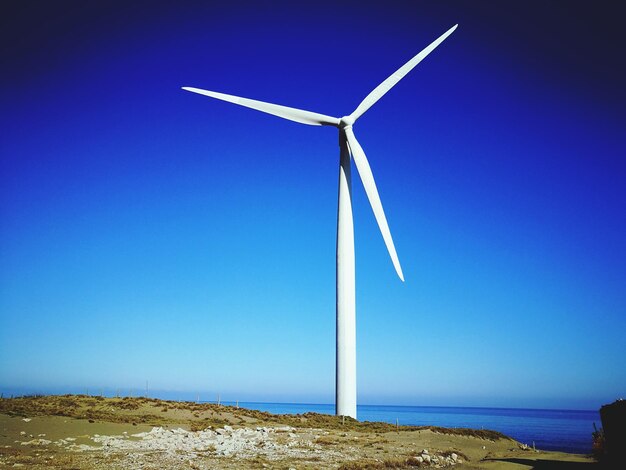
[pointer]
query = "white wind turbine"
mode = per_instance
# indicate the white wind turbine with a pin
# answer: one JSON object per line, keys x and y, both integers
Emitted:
{"x": 345, "y": 385}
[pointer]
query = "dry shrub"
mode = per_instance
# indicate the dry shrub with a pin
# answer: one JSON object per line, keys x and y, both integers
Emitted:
{"x": 326, "y": 441}
{"x": 128, "y": 404}
{"x": 378, "y": 465}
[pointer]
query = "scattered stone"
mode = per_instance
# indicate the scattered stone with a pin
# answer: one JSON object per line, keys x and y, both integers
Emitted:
{"x": 22, "y": 433}
{"x": 26, "y": 420}
{"x": 284, "y": 429}
{"x": 180, "y": 444}
{"x": 178, "y": 448}
{"x": 81, "y": 447}
{"x": 37, "y": 442}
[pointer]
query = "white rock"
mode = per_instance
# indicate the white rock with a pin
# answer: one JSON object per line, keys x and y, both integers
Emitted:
{"x": 37, "y": 442}
{"x": 454, "y": 457}
{"x": 26, "y": 420}
{"x": 82, "y": 447}
{"x": 425, "y": 451}
{"x": 284, "y": 429}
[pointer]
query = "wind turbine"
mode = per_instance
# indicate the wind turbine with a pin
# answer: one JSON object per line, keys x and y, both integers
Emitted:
{"x": 345, "y": 385}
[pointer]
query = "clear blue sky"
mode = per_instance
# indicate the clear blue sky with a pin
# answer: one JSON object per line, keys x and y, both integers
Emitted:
{"x": 147, "y": 233}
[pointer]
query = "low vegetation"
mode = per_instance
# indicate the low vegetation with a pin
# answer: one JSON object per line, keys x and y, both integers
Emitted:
{"x": 309, "y": 441}
{"x": 410, "y": 462}
{"x": 197, "y": 416}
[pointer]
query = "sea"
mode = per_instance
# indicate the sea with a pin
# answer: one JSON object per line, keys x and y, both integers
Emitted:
{"x": 557, "y": 430}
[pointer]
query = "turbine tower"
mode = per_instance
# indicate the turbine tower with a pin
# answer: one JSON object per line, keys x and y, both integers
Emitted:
{"x": 345, "y": 385}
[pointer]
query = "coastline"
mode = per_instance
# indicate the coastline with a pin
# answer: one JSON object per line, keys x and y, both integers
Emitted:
{"x": 96, "y": 432}
{"x": 558, "y": 430}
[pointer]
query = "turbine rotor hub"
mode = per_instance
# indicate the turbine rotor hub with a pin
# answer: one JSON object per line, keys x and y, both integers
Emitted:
{"x": 346, "y": 121}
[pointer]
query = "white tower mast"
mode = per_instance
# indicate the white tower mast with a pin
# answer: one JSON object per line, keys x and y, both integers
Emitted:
{"x": 345, "y": 378}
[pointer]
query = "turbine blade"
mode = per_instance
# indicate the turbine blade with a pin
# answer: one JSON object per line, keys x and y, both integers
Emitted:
{"x": 365, "y": 172}
{"x": 292, "y": 114}
{"x": 388, "y": 84}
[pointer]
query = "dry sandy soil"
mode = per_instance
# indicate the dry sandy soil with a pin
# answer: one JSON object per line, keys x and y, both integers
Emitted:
{"x": 81, "y": 432}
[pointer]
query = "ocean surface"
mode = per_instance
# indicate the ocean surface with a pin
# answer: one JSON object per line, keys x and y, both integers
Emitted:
{"x": 562, "y": 430}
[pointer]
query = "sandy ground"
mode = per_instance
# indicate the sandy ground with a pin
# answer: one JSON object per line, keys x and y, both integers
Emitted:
{"x": 96, "y": 433}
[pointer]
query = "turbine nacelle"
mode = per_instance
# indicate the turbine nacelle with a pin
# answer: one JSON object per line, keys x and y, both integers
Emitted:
{"x": 346, "y": 121}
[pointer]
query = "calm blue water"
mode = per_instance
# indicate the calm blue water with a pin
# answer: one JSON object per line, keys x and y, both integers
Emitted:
{"x": 568, "y": 431}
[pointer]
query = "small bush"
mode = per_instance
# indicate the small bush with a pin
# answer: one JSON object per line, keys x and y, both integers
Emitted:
{"x": 326, "y": 441}
{"x": 598, "y": 444}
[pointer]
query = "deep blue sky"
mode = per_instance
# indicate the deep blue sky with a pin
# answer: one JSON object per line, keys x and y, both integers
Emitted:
{"x": 151, "y": 234}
